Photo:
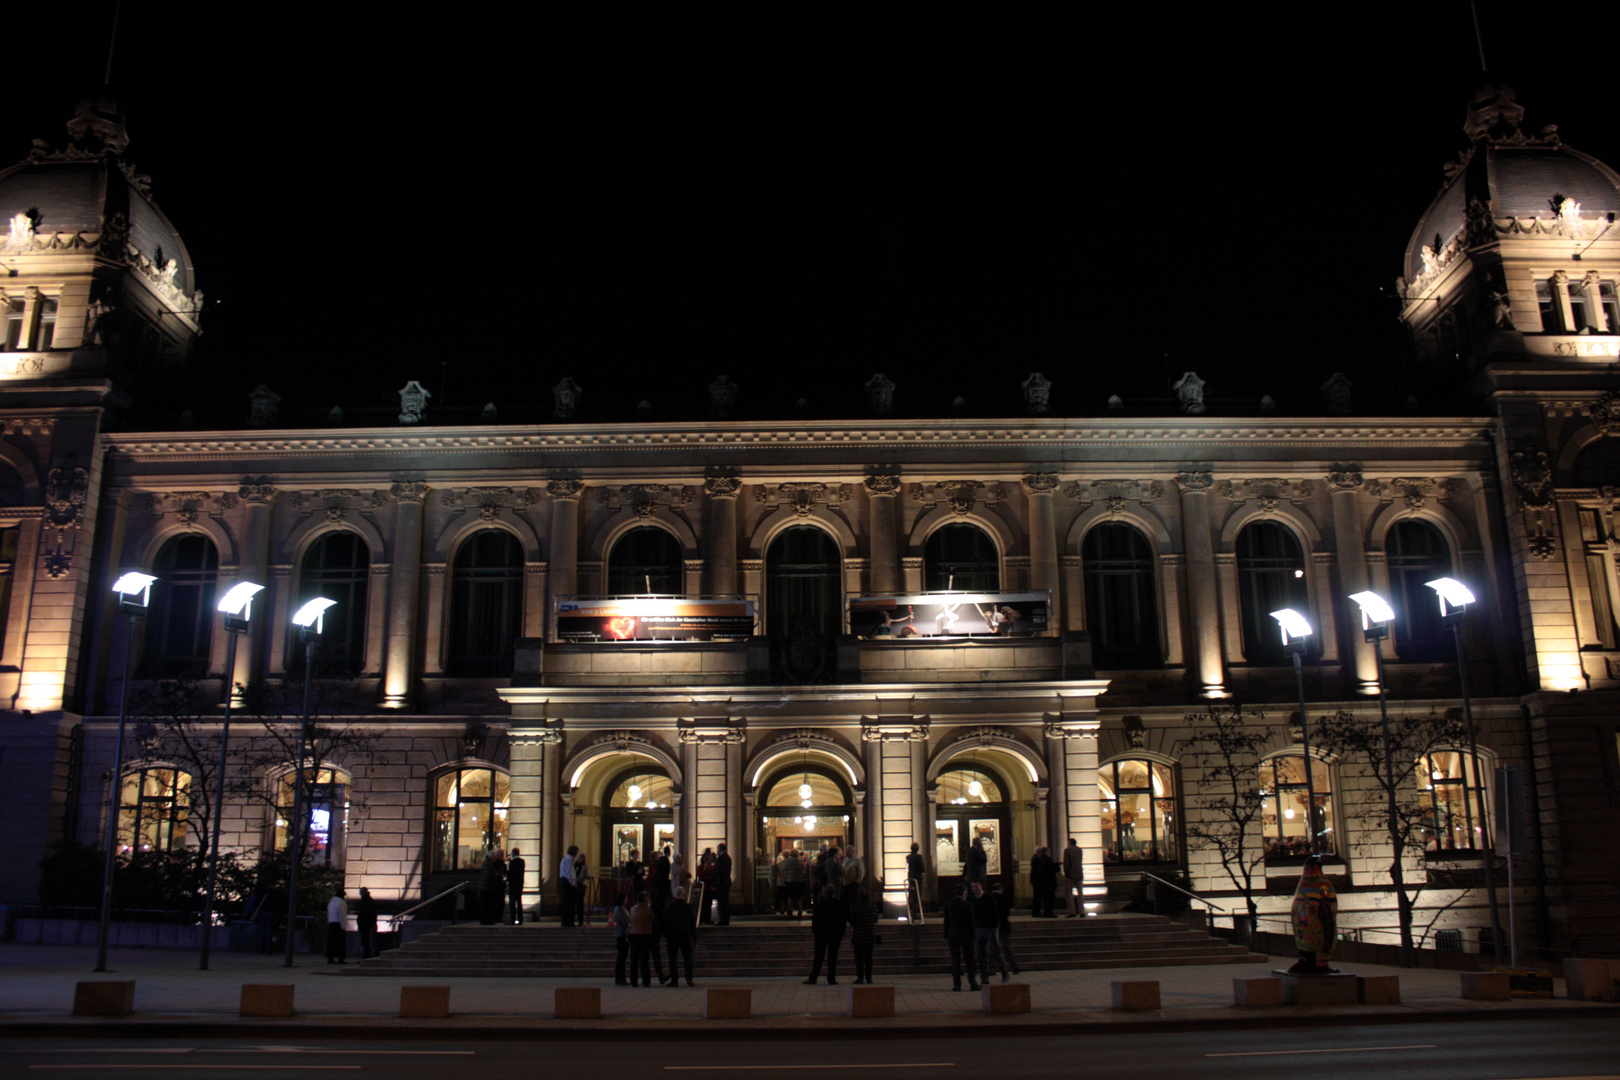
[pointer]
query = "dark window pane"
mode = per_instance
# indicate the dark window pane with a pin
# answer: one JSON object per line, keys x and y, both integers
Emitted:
{"x": 1416, "y": 554}
{"x": 180, "y": 621}
{"x": 646, "y": 560}
{"x": 1271, "y": 576}
{"x": 961, "y": 557}
{"x": 486, "y": 605}
{"x": 802, "y": 587}
{"x": 1122, "y": 610}
{"x": 338, "y": 567}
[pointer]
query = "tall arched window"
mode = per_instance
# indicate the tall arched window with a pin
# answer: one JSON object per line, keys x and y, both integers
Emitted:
{"x": 1282, "y": 807}
{"x": 1139, "y": 818}
{"x": 802, "y": 586}
{"x": 153, "y": 805}
{"x": 1271, "y": 576}
{"x": 1122, "y": 607}
{"x": 325, "y": 806}
{"x": 1450, "y": 795}
{"x": 638, "y": 813}
{"x": 180, "y": 623}
{"x": 646, "y": 559}
{"x": 337, "y": 567}
{"x": 486, "y": 605}
{"x": 1416, "y": 553}
{"x": 961, "y": 557}
{"x": 469, "y": 817}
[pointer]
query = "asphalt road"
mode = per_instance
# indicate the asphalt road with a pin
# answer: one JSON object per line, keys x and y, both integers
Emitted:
{"x": 1564, "y": 1048}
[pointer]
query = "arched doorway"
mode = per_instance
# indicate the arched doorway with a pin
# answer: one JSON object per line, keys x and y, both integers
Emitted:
{"x": 805, "y": 806}
{"x": 638, "y": 814}
{"x": 974, "y": 802}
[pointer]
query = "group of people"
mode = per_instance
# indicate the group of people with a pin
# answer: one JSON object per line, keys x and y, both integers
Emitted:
{"x": 500, "y": 888}
{"x": 337, "y": 923}
{"x": 798, "y": 875}
{"x": 978, "y": 928}
{"x": 636, "y": 933}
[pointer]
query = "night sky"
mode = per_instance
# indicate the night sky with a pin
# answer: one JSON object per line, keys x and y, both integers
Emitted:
{"x": 956, "y": 196}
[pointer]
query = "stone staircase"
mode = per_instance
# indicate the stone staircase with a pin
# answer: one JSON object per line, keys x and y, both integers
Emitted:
{"x": 784, "y": 948}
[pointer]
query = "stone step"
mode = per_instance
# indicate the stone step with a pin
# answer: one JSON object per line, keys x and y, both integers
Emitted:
{"x": 709, "y": 970}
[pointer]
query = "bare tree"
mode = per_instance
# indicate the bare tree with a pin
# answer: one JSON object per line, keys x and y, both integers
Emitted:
{"x": 1395, "y": 796}
{"x": 1224, "y": 754}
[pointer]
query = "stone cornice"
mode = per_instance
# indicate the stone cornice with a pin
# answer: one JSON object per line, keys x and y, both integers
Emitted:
{"x": 1031, "y": 698}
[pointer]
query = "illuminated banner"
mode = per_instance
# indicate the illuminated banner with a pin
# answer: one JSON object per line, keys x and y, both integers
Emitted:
{"x": 653, "y": 618}
{"x": 950, "y": 614}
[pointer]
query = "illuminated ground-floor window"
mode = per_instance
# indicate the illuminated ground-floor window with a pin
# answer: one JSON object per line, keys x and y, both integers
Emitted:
{"x": 153, "y": 805}
{"x": 469, "y": 817}
{"x": 325, "y": 810}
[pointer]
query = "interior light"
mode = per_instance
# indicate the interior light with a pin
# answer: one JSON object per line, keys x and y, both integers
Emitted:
{"x": 846, "y": 819}
{"x": 635, "y": 792}
{"x": 806, "y": 804}
{"x": 798, "y": 820}
{"x": 804, "y": 792}
{"x": 975, "y": 789}
{"x": 1289, "y": 813}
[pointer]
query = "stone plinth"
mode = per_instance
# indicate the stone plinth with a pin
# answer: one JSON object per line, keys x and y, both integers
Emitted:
{"x": 578, "y": 1003}
{"x": 424, "y": 1002}
{"x": 1135, "y": 996}
{"x": 729, "y": 1003}
{"x": 1004, "y": 998}
{"x": 869, "y": 1001}
{"x": 104, "y": 998}
{"x": 1486, "y": 985}
{"x": 1378, "y": 989}
{"x": 1257, "y": 993}
{"x": 1590, "y": 980}
{"x": 267, "y": 999}
{"x": 1337, "y": 989}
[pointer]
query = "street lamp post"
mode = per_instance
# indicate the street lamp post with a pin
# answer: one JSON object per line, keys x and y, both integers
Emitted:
{"x": 134, "y": 594}
{"x": 308, "y": 619}
{"x": 1296, "y": 630}
{"x": 237, "y": 607}
{"x": 1376, "y": 615}
{"x": 1454, "y": 599}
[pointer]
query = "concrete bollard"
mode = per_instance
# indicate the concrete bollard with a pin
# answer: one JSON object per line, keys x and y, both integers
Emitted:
{"x": 104, "y": 998}
{"x": 1378, "y": 989}
{"x": 1004, "y": 998}
{"x": 1135, "y": 996}
{"x": 729, "y": 1003}
{"x": 1320, "y": 989}
{"x": 1257, "y": 993}
{"x": 424, "y": 1002}
{"x": 1486, "y": 985}
{"x": 869, "y": 1001}
{"x": 267, "y": 999}
{"x": 577, "y": 1003}
{"x": 1590, "y": 980}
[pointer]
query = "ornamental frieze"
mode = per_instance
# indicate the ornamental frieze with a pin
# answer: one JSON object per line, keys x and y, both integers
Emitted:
{"x": 490, "y": 501}
{"x": 1114, "y": 494}
{"x": 802, "y": 498}
{"x": 1413, "y": 491}
{"x": 722, "y": 487}
{"x": 959, "y": 495}
{"x": 1269, "y": 493}
{"x": 644, "y": 500}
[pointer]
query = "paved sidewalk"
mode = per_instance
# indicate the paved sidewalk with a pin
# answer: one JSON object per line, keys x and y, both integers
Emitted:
{"x": 37, "y": 984}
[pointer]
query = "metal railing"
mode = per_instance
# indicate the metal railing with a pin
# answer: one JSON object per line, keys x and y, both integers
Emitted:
{"x": 1215, "y": 909}
{"x": 408, "y": 912}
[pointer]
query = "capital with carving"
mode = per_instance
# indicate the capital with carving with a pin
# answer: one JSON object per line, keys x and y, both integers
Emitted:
{"x": 1195, "y": 482}
{"x": 882, "y": 484}
{"x": 256, "y": 489}
{"x": 413, "y": 491}
{"x": 894, "y": 732}
{"x": 1037, "y": 483}
{"x": 722, "y": 487}
{"x": 1344, "y": 478}
{"x": 565, "y": 489}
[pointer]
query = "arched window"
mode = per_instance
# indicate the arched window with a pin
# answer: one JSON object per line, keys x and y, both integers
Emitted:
{"x": 1271, "y": 576}
{"x": 805, "y": 808}
{"x": 1122, "y": 609}
{"x": 961, "y": 557}
{"x": 153, "y": 805}
{"x": 469, "y": 817}
{"x": 646, "y": 559}
{"x": 1416, "y": 554}
{"x": 638, "y": 814}
{"x": 802, "y": 586}
{"x": 325, "y": 806}
{"x": 1282, "y": 785}
{"x": 336, "y": 566}
{"x": 973, "y": 802}
{"x": 180, "y": 623}
{"x": 1139, "y": 817}
{"x": 486, "y": 605}
{"x": 1449, "y": 795}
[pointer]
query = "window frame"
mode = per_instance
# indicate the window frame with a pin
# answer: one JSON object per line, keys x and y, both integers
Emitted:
{"x": 1420, "y": 638}
{"x": 779, "y": 576}
{"x": 177, "y": 800}
{"x": 486, "y": 603}
{"x": 1168, "y": 848}
{"x": 981, "y": 574}
{"x": 337, "y": 828}
{"x": 437, "y": 810}
{"x": 1258, "y": 632}
{"x": 1471, "y": 794}
{"x": 1095, "y": 571}
{"x": 1285, "y": 851}
{"x": 158, "y": 660}
{"x": 341, "y": 648}
{"x": 670, "y": 578}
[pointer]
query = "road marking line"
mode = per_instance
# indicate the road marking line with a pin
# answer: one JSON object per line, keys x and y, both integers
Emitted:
{"x": 762, "y": 1068}
{"x": 215, "y": 1067}
{"x": 324, "y": 1052}
{"x": 1338, "y": 1050}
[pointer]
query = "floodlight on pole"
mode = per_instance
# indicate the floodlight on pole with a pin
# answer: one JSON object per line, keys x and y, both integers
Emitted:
{"x": 1296, "y": 632}
{"x": 1376, "y": 615}
{"x": 308, "y": 619}
{"x": 1454, "y": 599}
{"x": 237, "y": 606}
{"x": 134, "y": 591}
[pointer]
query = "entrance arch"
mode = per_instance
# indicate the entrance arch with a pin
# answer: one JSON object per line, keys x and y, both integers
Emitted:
{"x": 1001, "y": 810}
{"x": 602, "y": 817}
{"x": 807, "y": 806}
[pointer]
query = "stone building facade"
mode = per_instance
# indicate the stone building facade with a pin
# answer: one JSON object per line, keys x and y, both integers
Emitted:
{"x": 1157, "y": 544}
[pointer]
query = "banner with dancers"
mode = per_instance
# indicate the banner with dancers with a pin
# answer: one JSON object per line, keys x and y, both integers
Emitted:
{"x": 1011, "y": 614}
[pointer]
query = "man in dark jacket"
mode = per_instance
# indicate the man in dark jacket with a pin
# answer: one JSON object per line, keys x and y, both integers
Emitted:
{"x": 827, "y": 923}
{"x": 679, "y": 922}
{"x": 986, "y": 921}
{"x": 720, "y": 882}
{"x": 660, "y": 880}
{"x": 514, "y": 885}
{"x": 958, "y": 919}
{"x": 1003, "y": 942}
{"x": 365, "y": 921}
{"x": 1043, "y": 882}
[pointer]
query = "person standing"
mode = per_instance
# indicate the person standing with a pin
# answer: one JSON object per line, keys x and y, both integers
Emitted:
{"x": 621, "y": 939}
{"x": 852, "y": 875}
{"x": 705, "y": 876}
{"x": 779, "y": 884}
{"x": 337, "y": 923}
{"x": 1315, "y": 914}
{"x": 660, "y": 880}
{"x": 863, "y": 920}
{"x": 514, "y": 885}
{"x": 721, "y": 880}
{"x": 976, "y": 868}
{"x": 793, "y": 873}
{"x": 827, "y": 922}
{"x": 636, "y": 872}
{"x": 491, "y": 888}
{"x": 1003, "y": 942}
{"x": 959, "y": 935}
{"x": 582, "y": 886}
{"x": 565, "y": 885}
{"x": 366, "y": 922}
{"x": 1043, "y": 882}
{"x": 986, "y": 921}
{"x": 642, "y": 941}
{"x": 679, "y": 928}
{"x": 1074, "y": 872}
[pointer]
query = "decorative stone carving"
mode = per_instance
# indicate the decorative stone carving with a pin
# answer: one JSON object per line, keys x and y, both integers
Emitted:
{"x": 1195, "y": 481}
{"x": 473, "y": 739}
{"x": 1613, "y": 665}
{"x": 722, "y": 487}
{"x": 1411, "y": 490}
{"x": 1605, "y": 413}
{"x": 984, "y": 735}
{"x": 564, "y": 489}
{"x": 337, "y": 502}
{"x": 256, "y": 489}
{"x": 804, "y": 738}
{"x": 882, "y": 483}
{"x": 262, "y": 404}
{"x": 1344, "y": 477}
{"x": 409, "y": 491}
{"x": 711, "y": 736}
{"x": 879, "y": 395}
{"x": 622, "y": 741}
{"x": 1135, "y": 732}
{"x": 1116, "y": 403}
{"x": 490, "y": 413}
{"x": 1336, "y": 395}
{"x": 413, "y": 401}
{"x": 644, "y": 500}
{"x": 1496, "y": 108}
{"x": 1268, "y": 493}
{"x": 567, "y": 397}
{"x": 66, "y": 489}
{"x": 1039, "y": 483}
{"x": 959, "y": 495}
{"x": 489, "y": 502}
{"x": 897, "y": 732}
{"x": 1268, "y": 404}
{"x": 1114, "y": 493}
{"x": 21, "y": 236}
{"x": 1190, "y": 393}
{"x": 1532, "y": 478}
{"x": 1057, "y": 729}
{"x": 722, "y": 397}
{"x": 1037, "y": 394}
{"x": 802, "y": 497}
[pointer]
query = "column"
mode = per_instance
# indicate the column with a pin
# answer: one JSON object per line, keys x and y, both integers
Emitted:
{"x": 922, "y": 819}
{"x": 722, "y": 538}
{"x": 1352, "y": 552}
{"x": 551, "y": 814}
{"x": 1057, "y": 792}
{"x": 1043, "y": 557}
{"x": 257, "y": 496}
{"x": 1073, "y": 601}
{"x": 737, "y": 842}
{"x": 404, "y": 589}
{"x": 525, "y": 812}
{"x": 562, "y": 568}
{"x": 872, "y": 824}
{"x": 1202, "y": 598}
{"x": 437, "y": 577}
{"x": 1080, "y": 804}
{"x": 882, "y": 490}
{"x": 686, "y": 815}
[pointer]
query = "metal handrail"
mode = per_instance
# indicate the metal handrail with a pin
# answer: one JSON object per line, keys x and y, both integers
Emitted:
{"x": 1190, "y": 895}
{"x": 413, "y": 910}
